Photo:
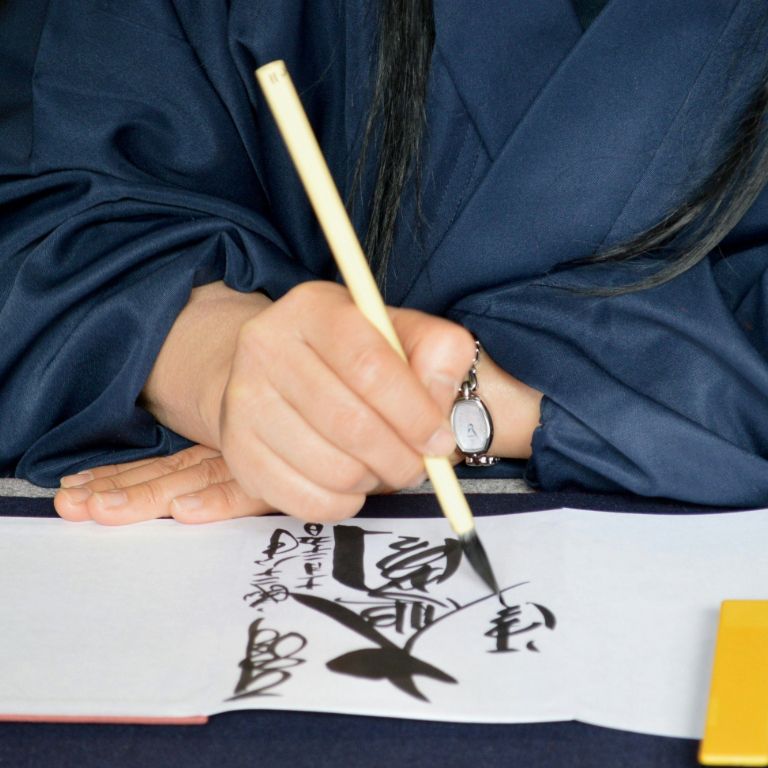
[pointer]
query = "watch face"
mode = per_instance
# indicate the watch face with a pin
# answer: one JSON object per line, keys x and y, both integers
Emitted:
{"x": 471, "y": 425}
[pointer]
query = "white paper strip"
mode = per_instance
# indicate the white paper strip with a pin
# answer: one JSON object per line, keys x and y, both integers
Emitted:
{"x": 607, "y": 618}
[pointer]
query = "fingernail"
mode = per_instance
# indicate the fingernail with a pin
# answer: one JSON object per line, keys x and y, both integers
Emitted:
{"x": 111, "y": 499}
{"x": 77, "y": 495}
{"x": 441, "y": 443}
{"x": 72, "y": 481}
{"x": 422, "y": 478}
{"x": 187, "y": 503}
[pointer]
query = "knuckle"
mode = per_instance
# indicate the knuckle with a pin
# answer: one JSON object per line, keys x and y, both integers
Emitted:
{"x": 152, "y": 494}
{"x": 104, "y": 484}
{"x": 306, "y": 294}
{"x": 171, "y": 463}
{"x": 368, "y": 368}
{"x": 212, "y": 471}
{"x": 301, "y": 291}
{"x": 348, "y": 476}
{"x": 354, "y": 427}
{"x": 446, "y": 354}
{"x": 228, "y": 498}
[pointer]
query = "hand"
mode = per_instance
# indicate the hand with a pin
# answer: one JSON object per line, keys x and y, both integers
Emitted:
{"x": 226, "y": 376}
{"x": 309, "y": 406}
{"x": 318, "y": 411}
{"x": 144, "y": 490}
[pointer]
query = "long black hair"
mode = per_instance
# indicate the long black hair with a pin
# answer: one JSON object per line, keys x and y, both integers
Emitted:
{"x": 396, "y": 119}
{"x": 396, "y": 124}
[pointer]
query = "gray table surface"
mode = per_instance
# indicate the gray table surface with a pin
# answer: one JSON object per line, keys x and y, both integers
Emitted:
{"x": 13, "y": 487}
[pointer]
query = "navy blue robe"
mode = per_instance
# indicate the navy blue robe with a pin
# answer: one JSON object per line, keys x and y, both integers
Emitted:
{"x": 138, "y": 160}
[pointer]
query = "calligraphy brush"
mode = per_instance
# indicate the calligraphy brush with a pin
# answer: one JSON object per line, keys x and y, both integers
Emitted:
{"x": 316, "y": 177}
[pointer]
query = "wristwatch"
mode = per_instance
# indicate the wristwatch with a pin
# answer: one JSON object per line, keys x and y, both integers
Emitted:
{"x": 471, "y": 421}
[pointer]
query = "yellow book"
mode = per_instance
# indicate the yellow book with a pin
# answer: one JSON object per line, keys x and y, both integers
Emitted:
{"x": 736, "y": 730}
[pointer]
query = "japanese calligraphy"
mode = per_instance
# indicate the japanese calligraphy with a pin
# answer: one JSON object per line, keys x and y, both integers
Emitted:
{"x": 384, "y": 592}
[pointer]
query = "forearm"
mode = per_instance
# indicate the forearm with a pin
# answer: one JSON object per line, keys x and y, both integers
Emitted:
{"x": 184, "y": 389}
{"x": 514, "y": 408}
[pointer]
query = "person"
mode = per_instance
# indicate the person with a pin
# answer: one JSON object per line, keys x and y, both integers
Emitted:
{"x": 581, "y": 190}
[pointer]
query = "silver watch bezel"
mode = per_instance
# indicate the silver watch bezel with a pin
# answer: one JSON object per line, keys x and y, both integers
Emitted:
{"x": 478, "y": 403}
{"x": 467, "y": 393}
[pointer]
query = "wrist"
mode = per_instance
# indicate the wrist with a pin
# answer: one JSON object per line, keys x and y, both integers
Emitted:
{"x": 513, "y": 406}
{"x": 187, "y": 382}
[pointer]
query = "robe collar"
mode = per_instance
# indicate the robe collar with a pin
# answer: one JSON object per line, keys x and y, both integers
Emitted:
{"x": 583, "y": 142}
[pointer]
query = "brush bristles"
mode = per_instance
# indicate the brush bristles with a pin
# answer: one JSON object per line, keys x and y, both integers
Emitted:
{"x": 474, "y": 552}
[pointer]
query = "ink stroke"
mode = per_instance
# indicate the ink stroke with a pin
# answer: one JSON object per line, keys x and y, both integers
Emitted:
{"x": 383, "y": 591}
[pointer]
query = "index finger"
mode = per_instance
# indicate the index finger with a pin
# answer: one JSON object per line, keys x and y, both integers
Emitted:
{"x": 365, "y": 362}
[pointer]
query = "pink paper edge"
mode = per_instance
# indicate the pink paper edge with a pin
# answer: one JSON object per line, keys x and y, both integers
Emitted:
{"x": 194, "y": 720}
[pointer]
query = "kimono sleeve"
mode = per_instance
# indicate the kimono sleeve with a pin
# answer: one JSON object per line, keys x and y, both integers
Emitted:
{"x": 125, "y": 180}
{"x": 662, "y": 392}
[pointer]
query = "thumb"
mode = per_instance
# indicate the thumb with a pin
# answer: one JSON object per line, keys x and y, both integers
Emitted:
{"x": 440, "y": 352}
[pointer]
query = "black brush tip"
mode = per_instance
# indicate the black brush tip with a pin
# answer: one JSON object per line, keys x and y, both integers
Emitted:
{"x": 478, "y": 559}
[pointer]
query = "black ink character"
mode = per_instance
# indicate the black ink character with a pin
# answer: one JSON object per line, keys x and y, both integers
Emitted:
{"x": 386, "y": 662}
{"x": 280, "y": 542}
{"x": 411, "y": 566}
{"x": 312, "y": 569}
{"x": 349, "y": 555}
{"x": 399, "y": 615}
{"x": 268, "y": 657}
{"x": 274, "y": 593}
{"x": 511, "y": 623}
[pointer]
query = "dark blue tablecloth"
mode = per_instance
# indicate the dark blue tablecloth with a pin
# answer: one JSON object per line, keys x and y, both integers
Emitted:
{"x": 263, "y": 739}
